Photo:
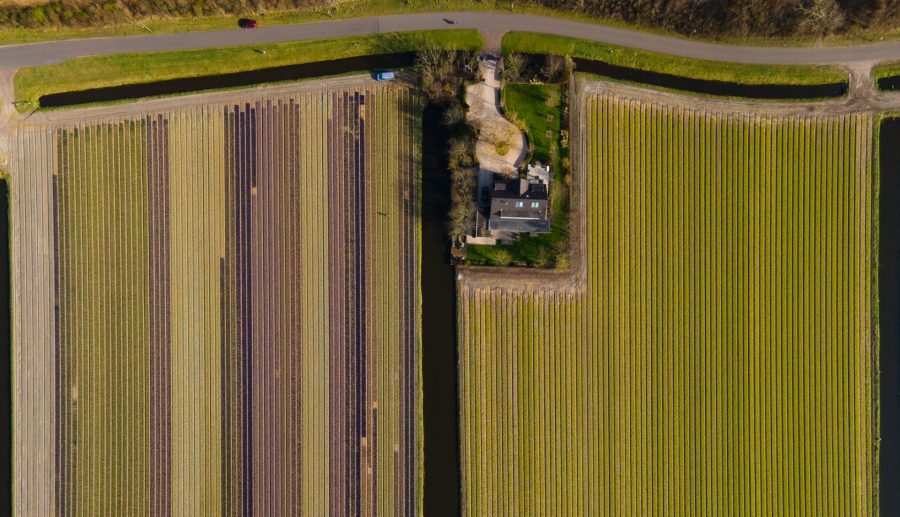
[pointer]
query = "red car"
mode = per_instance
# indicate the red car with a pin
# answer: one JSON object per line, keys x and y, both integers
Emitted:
{"x": 247, "y": 23}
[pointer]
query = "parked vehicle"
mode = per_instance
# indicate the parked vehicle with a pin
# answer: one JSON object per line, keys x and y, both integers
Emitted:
{"x": 485, "y": 195}
{"x": 247, "y": 23}
{"x": 385, "y": 76}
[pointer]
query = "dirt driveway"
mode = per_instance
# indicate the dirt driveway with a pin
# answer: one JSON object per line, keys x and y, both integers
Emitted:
{"x": 495, "y": 130}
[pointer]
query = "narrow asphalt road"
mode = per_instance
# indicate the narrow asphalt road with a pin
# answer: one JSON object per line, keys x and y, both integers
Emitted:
{"x": 32, "y": 54}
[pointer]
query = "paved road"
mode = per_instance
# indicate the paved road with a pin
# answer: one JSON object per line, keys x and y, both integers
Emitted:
{"x": 15, "y": 56}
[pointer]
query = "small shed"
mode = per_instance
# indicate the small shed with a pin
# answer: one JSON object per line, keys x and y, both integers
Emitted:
{"x": 538, "y": 172}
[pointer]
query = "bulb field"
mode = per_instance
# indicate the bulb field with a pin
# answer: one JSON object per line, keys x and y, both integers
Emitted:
{"x": 719, "y": 356}
{"x": 230, "y": 321}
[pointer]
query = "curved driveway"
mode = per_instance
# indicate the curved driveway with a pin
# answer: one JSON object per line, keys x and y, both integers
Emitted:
{"x": 31, "y": 54}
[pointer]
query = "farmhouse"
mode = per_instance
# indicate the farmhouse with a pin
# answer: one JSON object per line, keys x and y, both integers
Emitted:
{"x": 519, "y": 206}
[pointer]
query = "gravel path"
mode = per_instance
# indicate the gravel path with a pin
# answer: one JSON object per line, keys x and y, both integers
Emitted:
{"x": 493, "y": 127}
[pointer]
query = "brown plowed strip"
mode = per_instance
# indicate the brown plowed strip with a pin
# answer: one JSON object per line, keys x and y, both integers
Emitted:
{"x": 160, "y": 321}
{"x": 337, "y": 231}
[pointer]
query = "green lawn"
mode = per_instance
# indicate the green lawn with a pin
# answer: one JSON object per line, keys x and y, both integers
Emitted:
{"x": 663, "y": 63}
{"x": 96, "y": 72}
{"x": 533, "y": 106}
{"x": 528, "y": 103}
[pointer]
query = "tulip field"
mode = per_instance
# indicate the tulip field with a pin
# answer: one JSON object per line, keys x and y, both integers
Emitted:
{"x": 719, "y": 356}
{"x": 231, "y": 320}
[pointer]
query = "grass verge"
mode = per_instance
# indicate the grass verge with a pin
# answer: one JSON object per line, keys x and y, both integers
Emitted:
{"x": 885, "y": 70}
{"x": 655, "y": 62}
{"x": 97, "y": 72}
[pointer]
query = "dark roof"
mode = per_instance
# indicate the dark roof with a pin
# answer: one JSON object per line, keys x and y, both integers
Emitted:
{"x": 519, "y": 189}
{"x": 530, "y": 216}
{"x": 507, "y": 209}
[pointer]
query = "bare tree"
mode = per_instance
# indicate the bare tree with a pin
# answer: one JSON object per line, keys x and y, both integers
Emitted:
{"x": 885, "y": 13}
{"x": 455, "y": 114}
{"x": 553, "y": 68}
{"x": 512, "y": 67}
{"x": 822, "y": 17}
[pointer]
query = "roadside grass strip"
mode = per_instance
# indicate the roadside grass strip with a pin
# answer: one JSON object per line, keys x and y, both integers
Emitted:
{"x": 718, "y": 358}
{"x": 147, "y": 67}
{"x": 749, "y": 74}
{"x": 230, "y": 309}
{"x": 885, "y": 74}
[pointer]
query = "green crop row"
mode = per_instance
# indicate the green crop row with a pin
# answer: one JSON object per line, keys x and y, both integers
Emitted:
{"x": 719, "y": 358}
{"x": 103, "y": 317}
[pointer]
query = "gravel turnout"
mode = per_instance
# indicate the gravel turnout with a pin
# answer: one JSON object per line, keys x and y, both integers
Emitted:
{"x": 228, "y": 322}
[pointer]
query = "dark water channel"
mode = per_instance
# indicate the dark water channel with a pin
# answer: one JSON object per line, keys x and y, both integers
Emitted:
{"x": 5, "y": 354}
{"x": 889, "y": 317}
{"x": 891, "y": 83}
{"x": 264, "y": 75}
{"x": 442, "y": 477}
{"x": 724, "y": 88}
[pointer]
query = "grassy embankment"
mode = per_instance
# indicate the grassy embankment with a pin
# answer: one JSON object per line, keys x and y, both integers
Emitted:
{"x": 97, "y": 72}
{"x": 663, "y": 63}
{"x": 537, "y": 109}
{"x": 885, "y": 70}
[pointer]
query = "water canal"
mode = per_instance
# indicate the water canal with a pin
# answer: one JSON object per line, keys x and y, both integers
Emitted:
{"x": 889, "y": 317}
{"x": 237, "y": 79}
{"x": 439, "y": 360}
{"x": 5, "y": 356}
{"x": 709, "y": 87}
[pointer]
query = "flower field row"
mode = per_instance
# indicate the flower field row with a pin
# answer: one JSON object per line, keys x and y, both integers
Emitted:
{"x": 719, "y": 358}
{"x": 236, "y": 323}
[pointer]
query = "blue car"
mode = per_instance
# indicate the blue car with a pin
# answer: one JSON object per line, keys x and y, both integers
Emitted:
{"x": 384, "y": 76}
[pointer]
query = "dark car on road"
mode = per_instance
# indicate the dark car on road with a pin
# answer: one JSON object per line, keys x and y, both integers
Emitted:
{"x": 247, "y": 23}
{"x": 485, "y": 195}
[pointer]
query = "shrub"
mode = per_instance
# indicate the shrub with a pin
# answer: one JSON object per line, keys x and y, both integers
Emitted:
{"x": 512, "y": 67}
{"x": 502, "y": 257}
